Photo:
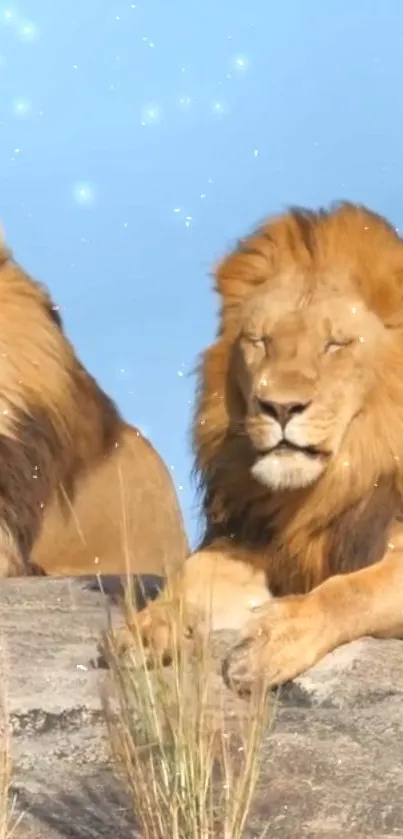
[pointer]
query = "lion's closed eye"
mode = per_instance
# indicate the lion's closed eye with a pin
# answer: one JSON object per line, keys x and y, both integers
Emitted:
{"x": 334, "y": 346}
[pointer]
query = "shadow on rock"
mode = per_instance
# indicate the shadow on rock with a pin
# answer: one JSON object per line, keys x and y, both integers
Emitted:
{"x": 98, "y": 809}
{"x": 146, "y": 587}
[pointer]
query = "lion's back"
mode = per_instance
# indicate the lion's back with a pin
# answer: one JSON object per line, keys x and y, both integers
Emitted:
{"x": 124, "y": 514}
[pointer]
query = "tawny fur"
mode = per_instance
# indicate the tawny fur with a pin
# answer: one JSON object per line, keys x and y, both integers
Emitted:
{"x": 311, "y": 320}
{"x": 81, "y": 491}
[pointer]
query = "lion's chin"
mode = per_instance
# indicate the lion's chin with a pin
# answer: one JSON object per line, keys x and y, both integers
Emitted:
{"x": 291, "y": 470}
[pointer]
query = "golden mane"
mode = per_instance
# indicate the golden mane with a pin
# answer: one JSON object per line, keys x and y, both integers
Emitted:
{"x": 81, "y": 491}
{"x": 298, "y": 438}
{"x": 309, "y": 529}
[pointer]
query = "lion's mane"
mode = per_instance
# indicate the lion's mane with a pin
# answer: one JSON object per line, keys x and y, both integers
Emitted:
{"x": 342, "y": 522}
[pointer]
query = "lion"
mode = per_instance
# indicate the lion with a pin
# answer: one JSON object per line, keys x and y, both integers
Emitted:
{"x": 298, "y": 437}
{"x": 81, "y": 491}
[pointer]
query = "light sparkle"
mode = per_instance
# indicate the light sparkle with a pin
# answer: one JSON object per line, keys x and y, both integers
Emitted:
{"x": 150, "y": 115}
{"x": 22, "y": 108}
{"x": 241, "y": 62}
{"x": 9, "y": 15}
{"x": 84, "y": 194}
{"x": 28, "y": 32}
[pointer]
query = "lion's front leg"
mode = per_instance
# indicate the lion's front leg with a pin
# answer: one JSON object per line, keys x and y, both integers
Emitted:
{"x": 290, "y": 634}
{"x": 213, "y": 591}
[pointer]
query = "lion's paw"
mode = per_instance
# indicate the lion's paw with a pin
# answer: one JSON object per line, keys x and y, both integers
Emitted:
{"x": 242, "y": 668}
{"x": 153, "y": 635}
{"x": 282, "y": 641}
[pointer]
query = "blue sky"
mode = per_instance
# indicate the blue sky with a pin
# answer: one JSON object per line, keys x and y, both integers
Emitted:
{"x": 138, "y": 140}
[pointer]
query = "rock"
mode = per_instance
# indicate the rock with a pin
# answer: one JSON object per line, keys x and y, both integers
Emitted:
{"x": 332, "y": 759}
{"x": 334, "y": 766}
{"x": 49, "y": 630}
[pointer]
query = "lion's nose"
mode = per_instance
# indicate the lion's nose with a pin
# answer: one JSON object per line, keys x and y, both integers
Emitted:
{"x": 282, "y": 411}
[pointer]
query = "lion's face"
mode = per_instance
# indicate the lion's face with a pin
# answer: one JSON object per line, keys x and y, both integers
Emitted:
{"x": 305, "y": 366}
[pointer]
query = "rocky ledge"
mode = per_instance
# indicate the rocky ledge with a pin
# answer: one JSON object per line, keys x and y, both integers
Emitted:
{"x": 333, "y": 759}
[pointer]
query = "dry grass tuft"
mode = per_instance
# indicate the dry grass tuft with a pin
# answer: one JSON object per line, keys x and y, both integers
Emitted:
{"x": 191, "y": 769}
{"x": 5, "y": 774}
{"x": 8, "y": 819}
